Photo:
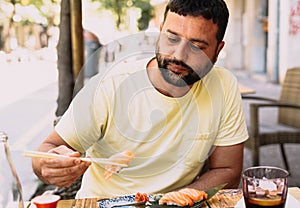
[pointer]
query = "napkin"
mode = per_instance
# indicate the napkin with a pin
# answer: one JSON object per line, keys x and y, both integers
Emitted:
{"x": 291, "y": 202}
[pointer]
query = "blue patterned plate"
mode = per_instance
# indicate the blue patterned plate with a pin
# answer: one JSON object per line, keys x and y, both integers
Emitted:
{"x": 122, "y": 201}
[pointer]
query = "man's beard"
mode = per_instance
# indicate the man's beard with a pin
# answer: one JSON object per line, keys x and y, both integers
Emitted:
{"x": 179, "y": 79}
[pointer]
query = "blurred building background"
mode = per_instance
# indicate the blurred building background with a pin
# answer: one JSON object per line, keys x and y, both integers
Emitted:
{"x": 262, "y": 37}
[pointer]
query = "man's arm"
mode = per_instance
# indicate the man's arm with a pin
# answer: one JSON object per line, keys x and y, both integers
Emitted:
{"x": 61, "y": 172}
{"x": 226, "y": 164}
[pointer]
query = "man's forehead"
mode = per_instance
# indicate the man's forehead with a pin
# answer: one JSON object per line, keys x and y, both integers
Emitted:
{"x": 190, "y": 27}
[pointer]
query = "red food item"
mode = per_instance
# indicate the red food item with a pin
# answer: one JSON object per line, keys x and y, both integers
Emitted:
{"x": 141, "y": 197}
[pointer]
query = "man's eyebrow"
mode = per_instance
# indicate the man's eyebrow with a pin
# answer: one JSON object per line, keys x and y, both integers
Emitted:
{"x": 192, "y": 39}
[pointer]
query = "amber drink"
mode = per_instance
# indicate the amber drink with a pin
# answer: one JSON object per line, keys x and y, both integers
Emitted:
{"x": 265, "y": 186}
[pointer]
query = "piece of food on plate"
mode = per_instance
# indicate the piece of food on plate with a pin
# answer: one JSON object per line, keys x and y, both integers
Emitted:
{"x": 176, "y": 198}
{"x": 183, "y": 197}
{"x": 124, "y": 157}
{"x": 195, "y": 194}
{"x": 141, "y": 197}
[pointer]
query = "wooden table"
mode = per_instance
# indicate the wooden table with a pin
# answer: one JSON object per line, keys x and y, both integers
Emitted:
{"x": 224, "y": 198}
{"x": 246, "y": 90}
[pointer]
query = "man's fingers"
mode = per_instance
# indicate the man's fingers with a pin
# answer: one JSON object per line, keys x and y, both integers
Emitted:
{"x": 65, "y": 176}
{"x": 64, "y": 150}
{"x": 63, "y": 181}
{"x": 62, "y": 162}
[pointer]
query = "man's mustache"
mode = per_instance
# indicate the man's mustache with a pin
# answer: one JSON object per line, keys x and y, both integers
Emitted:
{"x": 168, "y": 61}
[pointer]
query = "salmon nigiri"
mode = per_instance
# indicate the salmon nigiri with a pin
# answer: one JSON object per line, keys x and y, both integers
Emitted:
{"x": 124, "y": 157}
{"x": 176, "y": 198}
{"x": 194, "y": 194}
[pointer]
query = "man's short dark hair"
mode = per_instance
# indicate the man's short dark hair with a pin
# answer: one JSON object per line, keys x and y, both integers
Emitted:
{"x": 215, "y": 10}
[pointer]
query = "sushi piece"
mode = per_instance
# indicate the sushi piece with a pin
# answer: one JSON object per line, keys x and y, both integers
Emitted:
{"x": 141, "y": 197}
{"x": 183, "y": 197}
{"x": 124, "y": 157}
{"x": 195, "y": 194}
{"x": 176, "y": 198}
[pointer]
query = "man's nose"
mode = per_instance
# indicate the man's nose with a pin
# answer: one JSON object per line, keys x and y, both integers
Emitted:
{"x": 180, "y": 51}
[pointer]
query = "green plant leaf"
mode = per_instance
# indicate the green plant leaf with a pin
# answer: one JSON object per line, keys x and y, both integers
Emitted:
{"x": 213, "y": 191}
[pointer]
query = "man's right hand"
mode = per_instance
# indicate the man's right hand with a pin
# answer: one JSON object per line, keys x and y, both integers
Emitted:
{"x": 61, "y": 172}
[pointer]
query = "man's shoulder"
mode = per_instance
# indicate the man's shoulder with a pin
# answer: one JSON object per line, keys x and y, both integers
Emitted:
{"x": 121, "y": 73}
{"x": 125, "y": 67}
{"x": 222, "y": 71}
{"x": 220, "y": 78}
{"x": 121, "y": 69}
{"x": 219, "y": 74}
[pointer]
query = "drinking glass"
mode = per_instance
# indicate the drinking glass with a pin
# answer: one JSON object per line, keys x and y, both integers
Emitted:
{"x": 265, "y": 186}
{"x": 10, "y": 186}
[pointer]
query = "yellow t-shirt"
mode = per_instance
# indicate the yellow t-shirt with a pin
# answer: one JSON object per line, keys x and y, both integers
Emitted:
{"x": 169, "y": 137}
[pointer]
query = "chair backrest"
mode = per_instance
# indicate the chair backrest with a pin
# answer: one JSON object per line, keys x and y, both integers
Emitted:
{"x": 290, "y": 93}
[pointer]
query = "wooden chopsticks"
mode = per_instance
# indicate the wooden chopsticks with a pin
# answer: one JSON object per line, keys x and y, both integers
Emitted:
{"x": 38, "y": 154}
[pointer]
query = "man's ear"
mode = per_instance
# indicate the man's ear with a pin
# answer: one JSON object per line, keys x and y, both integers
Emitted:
{"x": 219, "y": 48}
{"x": 217, "y": 51}
{"x": 160, "y": 26}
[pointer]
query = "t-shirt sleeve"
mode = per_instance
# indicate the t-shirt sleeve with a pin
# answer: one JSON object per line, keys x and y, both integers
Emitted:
{"x": 233, "y": 128}
{"x": 83, "y": 122}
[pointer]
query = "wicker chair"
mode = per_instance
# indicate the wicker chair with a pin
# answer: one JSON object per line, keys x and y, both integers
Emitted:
{"x": 287, "y": 127}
